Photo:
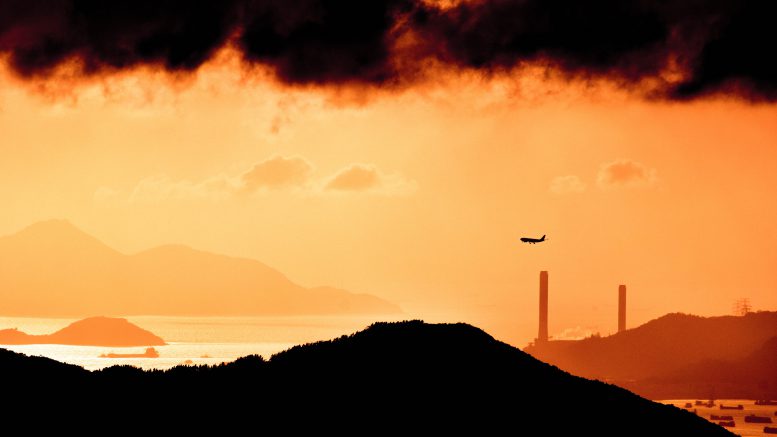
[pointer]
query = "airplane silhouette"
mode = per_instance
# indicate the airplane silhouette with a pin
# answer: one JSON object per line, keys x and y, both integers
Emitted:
{"x": 533, "y": 240}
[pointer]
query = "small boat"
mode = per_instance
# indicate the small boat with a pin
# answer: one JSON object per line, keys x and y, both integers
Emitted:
{"x": 727, "y": 423}
{"x": 765, "y": 402}
{"x": 688, "y": 405}
{"x": 770, "y": 429}
{"x": 732, "y": 407}
{"x": 752, "y": 418}
{"x": 716, "y": 417}
{"x": 149, "y": 353}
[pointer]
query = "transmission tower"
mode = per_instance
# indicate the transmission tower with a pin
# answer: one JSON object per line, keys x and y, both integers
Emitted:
{"x": 742, "y": 307}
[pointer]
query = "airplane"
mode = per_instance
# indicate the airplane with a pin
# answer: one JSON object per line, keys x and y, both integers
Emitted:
{"x": 533, "y": 240}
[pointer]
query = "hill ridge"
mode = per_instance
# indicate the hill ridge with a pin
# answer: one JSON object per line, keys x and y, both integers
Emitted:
{"x": 391, "y": 376}
{"x": 54, "y": 269}
{"x": 662, "y": 347}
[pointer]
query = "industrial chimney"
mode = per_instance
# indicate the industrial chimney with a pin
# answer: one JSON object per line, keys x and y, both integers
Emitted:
{"x": 621, "y": 308}
{"x": 543, "y": 334}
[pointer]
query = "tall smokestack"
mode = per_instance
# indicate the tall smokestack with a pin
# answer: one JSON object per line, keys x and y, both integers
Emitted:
{"x": 621, "y": 308}
{"x": 543, "y": 334}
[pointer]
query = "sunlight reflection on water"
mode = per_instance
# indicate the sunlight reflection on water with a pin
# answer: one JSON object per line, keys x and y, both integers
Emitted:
{"x": 203, "y": 340}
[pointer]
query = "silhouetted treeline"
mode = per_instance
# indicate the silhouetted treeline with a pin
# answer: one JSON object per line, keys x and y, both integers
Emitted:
{"x": 406, "y": 377}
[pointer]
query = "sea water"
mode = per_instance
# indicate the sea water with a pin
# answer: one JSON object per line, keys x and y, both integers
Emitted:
{"x": 742, "y": 428}
{"x": 194, "y": 340}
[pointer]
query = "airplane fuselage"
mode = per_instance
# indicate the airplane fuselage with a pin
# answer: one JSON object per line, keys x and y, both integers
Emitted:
{"x": 533, "y": 240}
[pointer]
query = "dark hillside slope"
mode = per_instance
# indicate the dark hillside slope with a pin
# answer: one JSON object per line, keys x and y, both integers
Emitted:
{"x": 399, "y": 377}
{"x": 659, "y": 347}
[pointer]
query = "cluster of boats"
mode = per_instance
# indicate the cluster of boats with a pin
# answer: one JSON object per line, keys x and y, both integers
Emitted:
{"x": 728, "y": 420}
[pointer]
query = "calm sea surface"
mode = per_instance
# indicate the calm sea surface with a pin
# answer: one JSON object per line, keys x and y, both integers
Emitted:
{"x": 203, "y": 340}
{"x": 741, "y": 428}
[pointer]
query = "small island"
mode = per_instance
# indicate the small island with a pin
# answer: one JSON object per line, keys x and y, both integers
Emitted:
{"x": 92, "y": 331}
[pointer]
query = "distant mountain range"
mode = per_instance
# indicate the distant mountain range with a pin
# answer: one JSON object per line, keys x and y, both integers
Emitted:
{"x": 678, "y": 355}
{"x": 54, "y": 269}
{"x": 392, "y": 378}
{"x": 92, "y": 331}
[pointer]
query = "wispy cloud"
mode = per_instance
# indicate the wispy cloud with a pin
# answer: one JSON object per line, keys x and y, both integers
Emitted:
{"x": 277, "y": 173}
{"x": 624, "y": 173}
{"x": 365, "y": 178}
{"x": 357, "y": 177}
{"x": 567, "y": 185}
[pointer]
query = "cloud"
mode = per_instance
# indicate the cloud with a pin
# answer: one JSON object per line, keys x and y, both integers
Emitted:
{"x": 566, "y": 185}
{"x": 685, "y": 50}
{"x": 357, "y": 177}
{"x": 277, "y": 172}
{"x": 625, "y": 173}
{"x": 366, "y": 178}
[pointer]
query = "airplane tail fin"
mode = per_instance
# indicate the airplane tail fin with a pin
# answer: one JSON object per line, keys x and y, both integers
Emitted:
{"x": 543, "y": 238}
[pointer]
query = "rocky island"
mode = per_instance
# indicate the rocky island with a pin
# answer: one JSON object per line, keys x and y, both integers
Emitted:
{"x": 92, "y": 331}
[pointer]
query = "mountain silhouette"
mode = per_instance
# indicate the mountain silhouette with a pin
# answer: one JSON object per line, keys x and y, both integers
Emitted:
{"x": 92, "y": 331}
{"x": 661, "y": 347}
{"x": 54, "y": 269}
{"x": 392, "y": 377}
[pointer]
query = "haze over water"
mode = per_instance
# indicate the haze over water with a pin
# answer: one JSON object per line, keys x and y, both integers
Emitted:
{"x": 222, "y": 339}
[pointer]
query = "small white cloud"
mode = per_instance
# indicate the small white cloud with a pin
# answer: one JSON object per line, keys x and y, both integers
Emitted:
{"x": 366, "y": 178}
{"x": 277, "y": 172}
{"x": 567, "y": 185}
{"x": 293, "y": 174}
{"x": 357, "y": 177}
{"x": 624, "y": 173}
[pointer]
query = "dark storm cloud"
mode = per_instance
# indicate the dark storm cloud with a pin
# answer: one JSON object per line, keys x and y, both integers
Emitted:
{"x": 738, "y": 55}
{"x": 597, "y": 37}
{"x": 324, "y": 41}
{"x": 712, "y": 46}
{"x": 176, "y": 34}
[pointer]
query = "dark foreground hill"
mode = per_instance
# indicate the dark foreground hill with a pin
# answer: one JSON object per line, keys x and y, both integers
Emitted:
{"x": 92, "y": 331}
{"x": 407, "y": 377}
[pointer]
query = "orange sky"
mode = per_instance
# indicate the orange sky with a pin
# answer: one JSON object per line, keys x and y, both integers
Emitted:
{"x": 417, "y": 196}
